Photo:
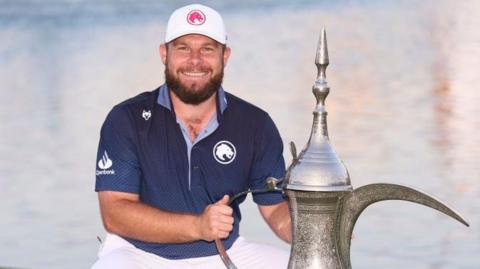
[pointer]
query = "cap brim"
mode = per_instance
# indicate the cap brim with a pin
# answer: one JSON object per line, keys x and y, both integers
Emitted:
{"x": 221, "y": 40}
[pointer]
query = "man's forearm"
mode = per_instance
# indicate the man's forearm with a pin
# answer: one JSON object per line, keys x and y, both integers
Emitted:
{"x": 278, "y": 218}
{"x": 139, "y": 221}
{"x": 123, "y": 214}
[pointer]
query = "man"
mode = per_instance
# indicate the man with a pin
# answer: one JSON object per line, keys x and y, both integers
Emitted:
{"x": 168, "y": 161}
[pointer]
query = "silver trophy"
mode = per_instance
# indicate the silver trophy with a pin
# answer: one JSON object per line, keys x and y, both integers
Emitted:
{"x": 323, "y": 204}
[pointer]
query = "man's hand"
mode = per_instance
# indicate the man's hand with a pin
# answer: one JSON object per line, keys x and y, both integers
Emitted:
{"x": 216, "y": 221}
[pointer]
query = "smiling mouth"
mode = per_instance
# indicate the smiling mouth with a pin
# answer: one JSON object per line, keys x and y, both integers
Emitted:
{"x": 194, "y": 74}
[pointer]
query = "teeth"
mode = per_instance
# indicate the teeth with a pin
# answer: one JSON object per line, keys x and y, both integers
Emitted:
{"x": 195, "y": 74}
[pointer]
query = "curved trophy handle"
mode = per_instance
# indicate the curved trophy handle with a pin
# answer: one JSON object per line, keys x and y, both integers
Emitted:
{"x": 271, "y": 187}
{"x": 223, "y": 255}
{"x": 353, "y": 204}
{"x": 293, "y": 150}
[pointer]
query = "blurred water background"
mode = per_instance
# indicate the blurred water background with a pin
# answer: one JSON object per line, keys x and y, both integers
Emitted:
{"x": 403, "y": 108}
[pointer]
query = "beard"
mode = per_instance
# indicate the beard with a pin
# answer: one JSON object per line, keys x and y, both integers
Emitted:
{"x": 193, "y": 94}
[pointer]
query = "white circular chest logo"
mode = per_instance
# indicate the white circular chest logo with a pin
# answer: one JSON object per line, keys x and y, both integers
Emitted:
{"x": 224, "y": 152}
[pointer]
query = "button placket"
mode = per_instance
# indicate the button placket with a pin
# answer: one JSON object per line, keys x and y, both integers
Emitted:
{"x": 195, "y": 168}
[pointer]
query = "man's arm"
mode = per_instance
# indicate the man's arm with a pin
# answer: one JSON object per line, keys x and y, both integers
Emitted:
{"x": 278, "y": 218}
{"x": 124, "y": 214}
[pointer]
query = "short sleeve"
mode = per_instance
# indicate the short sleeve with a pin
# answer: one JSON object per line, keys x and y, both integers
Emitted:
{"x": 268, "y": 162}
{"x": 117, "y": 167}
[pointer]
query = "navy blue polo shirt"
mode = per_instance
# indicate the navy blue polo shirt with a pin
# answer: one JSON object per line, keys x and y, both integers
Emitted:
{"x": 143, "y": 150}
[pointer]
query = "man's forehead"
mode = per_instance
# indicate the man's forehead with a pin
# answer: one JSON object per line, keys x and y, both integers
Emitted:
{"x": 194, "y": 39}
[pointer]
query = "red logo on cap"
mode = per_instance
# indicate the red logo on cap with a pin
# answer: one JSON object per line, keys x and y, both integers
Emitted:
{"x": 196, "y": 17}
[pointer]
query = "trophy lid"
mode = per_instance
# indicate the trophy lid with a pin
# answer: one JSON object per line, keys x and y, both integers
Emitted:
{"x": 318, "y": 168}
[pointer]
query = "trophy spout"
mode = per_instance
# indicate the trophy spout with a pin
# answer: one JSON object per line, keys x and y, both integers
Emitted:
{"x": 353, "y": 204}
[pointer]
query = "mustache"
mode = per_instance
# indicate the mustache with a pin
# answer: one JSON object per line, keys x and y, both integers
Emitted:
{"x": 195, "y": 69}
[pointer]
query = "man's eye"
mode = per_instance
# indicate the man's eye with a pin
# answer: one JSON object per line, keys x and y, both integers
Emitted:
{"x": 181, "y": 48}
{"x": 207, "y": 50}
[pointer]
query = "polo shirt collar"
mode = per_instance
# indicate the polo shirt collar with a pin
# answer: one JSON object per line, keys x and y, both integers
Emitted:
{"x": 165, "y": 101}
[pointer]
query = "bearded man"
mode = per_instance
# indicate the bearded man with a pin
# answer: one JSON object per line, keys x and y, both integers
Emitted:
{"x": 168, "y": 161}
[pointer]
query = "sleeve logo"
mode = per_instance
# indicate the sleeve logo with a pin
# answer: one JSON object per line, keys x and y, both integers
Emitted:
{"x": 224, "y": 152}
{"x": 105, "y": 163}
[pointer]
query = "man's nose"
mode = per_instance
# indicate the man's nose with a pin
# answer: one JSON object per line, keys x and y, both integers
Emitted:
{"x": 195, "y": 57}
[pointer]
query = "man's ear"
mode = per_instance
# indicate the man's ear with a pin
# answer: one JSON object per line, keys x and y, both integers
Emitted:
{"x": 226, "y": 55}
{"x": 163, "y": 52}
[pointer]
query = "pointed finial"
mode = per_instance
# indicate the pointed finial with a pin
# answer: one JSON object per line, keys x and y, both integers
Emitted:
{"x": 322, "y": 50}
{"x": 320, "y": 88}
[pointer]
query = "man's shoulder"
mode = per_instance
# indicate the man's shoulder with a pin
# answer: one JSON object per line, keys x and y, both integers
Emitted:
{"x": 141, "y": 99}
{"x": 246, "y": 108}
{"x": 123, "y": 113}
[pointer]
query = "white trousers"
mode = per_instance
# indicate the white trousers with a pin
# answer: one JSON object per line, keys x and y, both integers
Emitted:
{"x": 117, "y": 253}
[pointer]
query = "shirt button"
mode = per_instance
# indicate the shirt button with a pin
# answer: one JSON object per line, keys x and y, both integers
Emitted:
{"x": 195, "y": 167}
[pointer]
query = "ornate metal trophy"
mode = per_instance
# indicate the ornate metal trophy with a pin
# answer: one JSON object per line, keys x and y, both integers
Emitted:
{"x": 323, "y": 204}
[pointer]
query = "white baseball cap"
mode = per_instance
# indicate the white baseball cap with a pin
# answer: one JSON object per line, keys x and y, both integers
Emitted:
{"x": 196, "y": 19}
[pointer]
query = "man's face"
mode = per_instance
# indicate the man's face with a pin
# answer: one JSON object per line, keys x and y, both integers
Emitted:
{"x": 194, "y": 67}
